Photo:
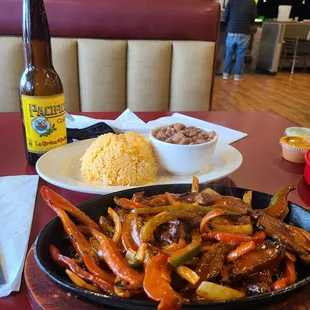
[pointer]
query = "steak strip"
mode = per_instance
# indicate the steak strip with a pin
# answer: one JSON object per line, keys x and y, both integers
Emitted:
{"x": 288, "y": 235}
{"x": 267, "y": 255}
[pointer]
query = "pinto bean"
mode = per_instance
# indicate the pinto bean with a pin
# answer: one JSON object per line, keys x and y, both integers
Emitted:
{"x": 161, "y": 136}
{"x": 180, "y": 134}
{"x": 212, "y": 134}
{"x": 185, "y": 141}
{"x": 178, "y": 126}
{"x": 177, "y": 138}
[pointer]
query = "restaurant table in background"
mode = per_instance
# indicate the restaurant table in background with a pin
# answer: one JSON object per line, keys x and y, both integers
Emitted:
{"x": 263, "y": 169}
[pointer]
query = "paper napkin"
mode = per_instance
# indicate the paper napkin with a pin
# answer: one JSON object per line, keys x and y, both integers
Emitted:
{"x": 130, "y": 121}
{"x": 17, "y": 200}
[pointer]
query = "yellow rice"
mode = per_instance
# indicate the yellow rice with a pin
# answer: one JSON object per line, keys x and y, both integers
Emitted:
{"x": 125, "y": 160}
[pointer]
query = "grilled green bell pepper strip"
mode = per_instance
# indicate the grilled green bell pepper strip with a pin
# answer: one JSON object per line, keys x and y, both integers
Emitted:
{"x": 131, "y": 259}
{"x": 180, "y": 207}
{"x": 184, "y": 255}
{"x": 136, "y": 259}
{"x": 278, "y": 206}
{"x": 105, "y": 224}
{"x": 147, "y": 231}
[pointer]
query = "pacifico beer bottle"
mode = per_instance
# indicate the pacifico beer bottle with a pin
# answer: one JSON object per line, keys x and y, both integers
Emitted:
{"x": 41, "y": 92}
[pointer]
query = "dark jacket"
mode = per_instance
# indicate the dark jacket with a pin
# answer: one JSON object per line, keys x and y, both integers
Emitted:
{"x": 240, "y": 15}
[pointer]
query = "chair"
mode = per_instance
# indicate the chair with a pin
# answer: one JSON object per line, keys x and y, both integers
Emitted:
{"x": 291, "y": 52}
{"x": 111, "y": 55}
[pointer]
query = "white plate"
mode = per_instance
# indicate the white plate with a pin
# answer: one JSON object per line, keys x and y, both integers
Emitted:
{"x": 61, "y": 167}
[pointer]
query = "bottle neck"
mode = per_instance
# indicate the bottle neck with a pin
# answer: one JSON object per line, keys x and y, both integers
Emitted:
{"x": 36, "y": 35}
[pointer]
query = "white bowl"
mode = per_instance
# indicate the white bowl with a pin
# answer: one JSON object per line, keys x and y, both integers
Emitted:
{"x": 181, "y": 159}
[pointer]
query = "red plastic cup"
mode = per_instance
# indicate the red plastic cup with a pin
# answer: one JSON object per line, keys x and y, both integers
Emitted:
{"x": 307, "y": 167}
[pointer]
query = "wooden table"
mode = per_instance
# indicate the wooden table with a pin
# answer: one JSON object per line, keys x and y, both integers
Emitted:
{"x": 263, "y": 169}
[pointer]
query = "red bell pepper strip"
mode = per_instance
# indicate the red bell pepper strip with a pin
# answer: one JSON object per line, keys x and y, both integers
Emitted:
{"x": 242, "y": 249}
{"x": 83, "y": 229}
{"x": 71, "y": 264}
{"x": 290, "y": 272}
{"x": 127, "y": 240}
{"x": 278, "y": 206}
{"x": 208, "y": 217}
{"x": 159, "y": 289}
{"x": 116, "y": 262}
{"x": 235, "y": 238}
{"x": 53, "y": 199}
{"x": 289, "y": 278}
{"x": 280, "y": 284}
{"x": 259, "y": 237}
{"x": 129, "y": 204}
{"x": 82, "y": 246}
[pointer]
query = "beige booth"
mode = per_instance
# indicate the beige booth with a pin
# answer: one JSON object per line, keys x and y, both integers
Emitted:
{"x": 159, "y": 57}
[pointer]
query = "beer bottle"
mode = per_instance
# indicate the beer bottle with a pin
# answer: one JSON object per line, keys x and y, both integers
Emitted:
{"x": 41, "y": 91}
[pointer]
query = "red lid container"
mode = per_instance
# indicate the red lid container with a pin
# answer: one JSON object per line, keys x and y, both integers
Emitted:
{"x": 307, "y": 167}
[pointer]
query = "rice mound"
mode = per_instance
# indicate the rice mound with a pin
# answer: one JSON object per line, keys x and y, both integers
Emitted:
{"x": 125, "y": 159}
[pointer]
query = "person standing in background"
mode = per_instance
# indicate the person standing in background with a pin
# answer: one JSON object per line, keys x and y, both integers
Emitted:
{"x": 239, "y": 16}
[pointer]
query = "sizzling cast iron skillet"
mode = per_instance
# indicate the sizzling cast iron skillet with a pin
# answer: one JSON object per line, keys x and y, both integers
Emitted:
{"x": 53, "y": 233}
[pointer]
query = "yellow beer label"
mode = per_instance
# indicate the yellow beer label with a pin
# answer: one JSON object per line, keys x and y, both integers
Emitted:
{"x": 45, "y": 122}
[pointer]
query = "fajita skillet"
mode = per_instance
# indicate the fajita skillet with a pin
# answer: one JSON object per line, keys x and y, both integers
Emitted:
{"x": 53, "y": 233}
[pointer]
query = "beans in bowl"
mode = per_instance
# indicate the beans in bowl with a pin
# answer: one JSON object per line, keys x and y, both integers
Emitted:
{"x": 180, "y": 134}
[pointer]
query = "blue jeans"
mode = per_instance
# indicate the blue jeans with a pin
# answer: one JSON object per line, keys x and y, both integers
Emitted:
{"x": 238, "y": 44}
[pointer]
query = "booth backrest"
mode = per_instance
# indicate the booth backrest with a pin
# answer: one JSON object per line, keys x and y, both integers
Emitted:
{"x": 112, "y": 54}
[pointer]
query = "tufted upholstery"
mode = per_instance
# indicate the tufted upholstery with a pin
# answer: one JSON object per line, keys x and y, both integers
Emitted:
{"x": 110, "y": 74}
